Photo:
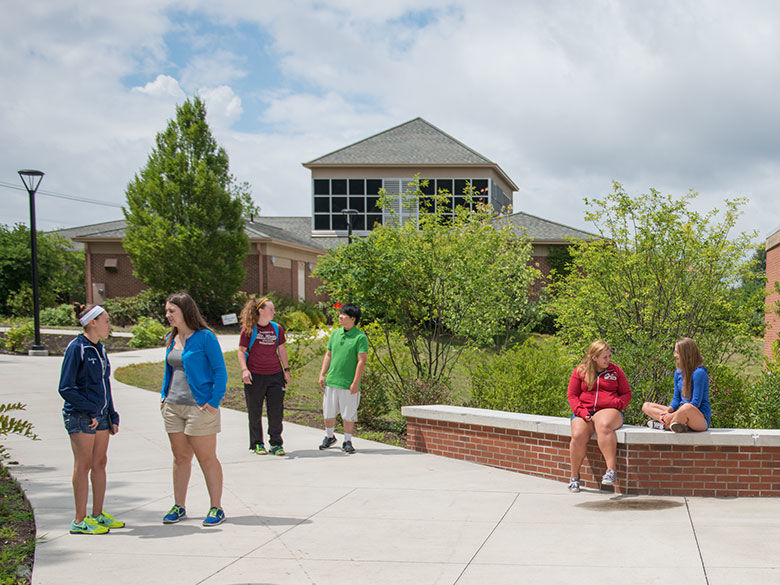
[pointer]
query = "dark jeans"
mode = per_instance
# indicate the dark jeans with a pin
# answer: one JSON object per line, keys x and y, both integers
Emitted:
{"x": 268, "y": 388}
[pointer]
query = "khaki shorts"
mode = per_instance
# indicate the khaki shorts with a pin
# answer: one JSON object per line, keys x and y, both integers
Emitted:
{"x": 340, "y": 401}
{"x": 190, "y": 420}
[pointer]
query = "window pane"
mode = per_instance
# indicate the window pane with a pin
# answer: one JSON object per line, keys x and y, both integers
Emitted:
{"x": 461, "y": 202}
{"x": 460, "y": 185}
{"x": 358, "y": 203}
{"x": 321, "y": 204}
{"x": 356, "y": 187}
{"x": 373, "y": 219}
{"x": 480, "y": 184}
{"x": 338, "y": 203}
{"x": 322, "y": 186}
{"x": 444, "y": 184}
{"x": 373, "y": 203}
{"x": 338, "y": 186}
{"x": 430, "y": 188}
{"x": 321, "y": 222}
{"x": 373, "y": 186}
{"x": 427, "y": 203}
{"x": 339, "y": 222}
{"x": 359, "y": 222}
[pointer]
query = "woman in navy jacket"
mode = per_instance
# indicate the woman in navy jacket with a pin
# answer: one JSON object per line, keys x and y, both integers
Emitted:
{"x": 194, "y": 384}
{"x": 598, "y": 393}
{"x": 89, "y": 416}
{"x": 690, "y": 406}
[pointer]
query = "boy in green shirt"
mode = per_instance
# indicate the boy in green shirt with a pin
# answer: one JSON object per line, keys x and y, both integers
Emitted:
{"x": 342, "y": 368}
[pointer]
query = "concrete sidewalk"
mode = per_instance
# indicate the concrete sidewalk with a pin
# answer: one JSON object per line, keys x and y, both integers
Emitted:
{"x": 383, "y": 515}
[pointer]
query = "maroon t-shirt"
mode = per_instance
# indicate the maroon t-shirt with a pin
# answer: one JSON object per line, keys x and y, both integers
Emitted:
{"x": 263, "y": 358}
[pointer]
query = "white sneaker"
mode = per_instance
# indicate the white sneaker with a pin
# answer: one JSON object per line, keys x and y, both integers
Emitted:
{"x": 574, "y": 485}
{"x": 655, "y": 424}
{"x": 609, "y": 477}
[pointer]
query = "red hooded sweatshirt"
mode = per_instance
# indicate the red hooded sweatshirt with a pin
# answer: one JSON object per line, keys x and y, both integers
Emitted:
{"x": 610, "y": 390}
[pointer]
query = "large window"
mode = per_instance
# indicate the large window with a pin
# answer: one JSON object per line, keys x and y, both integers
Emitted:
{"x": 332, "y": 196}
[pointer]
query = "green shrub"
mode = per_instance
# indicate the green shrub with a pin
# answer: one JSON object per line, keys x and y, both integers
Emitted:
{"x": 374, "y": 397}
{"x": 17, "y": 337}
{"x": 765, "y": 401}
{"x": 61, "y": 315}
{"x": 729, "y": 398}
{"x": 13, "y": 425}
{"x": 530, "y": 378}
{"x": 128, "y": 310}
{"x": 295, "y": 321}
{"x": 417, "y": 392}
{"x": 148, "y": 333}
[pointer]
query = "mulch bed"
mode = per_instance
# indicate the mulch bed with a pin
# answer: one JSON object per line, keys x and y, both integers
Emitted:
{"x": 56, "y": 344}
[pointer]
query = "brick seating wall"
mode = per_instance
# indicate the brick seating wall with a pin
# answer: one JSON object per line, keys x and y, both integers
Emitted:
{"x": 718, "y": 462}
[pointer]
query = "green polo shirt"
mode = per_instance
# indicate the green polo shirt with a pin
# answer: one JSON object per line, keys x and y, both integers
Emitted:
{"x": 344, "y": 347}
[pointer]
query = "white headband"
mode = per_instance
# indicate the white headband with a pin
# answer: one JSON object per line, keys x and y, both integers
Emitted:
{"x": 91, "y": 314}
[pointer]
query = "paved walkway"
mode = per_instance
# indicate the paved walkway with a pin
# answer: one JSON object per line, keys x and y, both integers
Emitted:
{"x": 383, "y": 515}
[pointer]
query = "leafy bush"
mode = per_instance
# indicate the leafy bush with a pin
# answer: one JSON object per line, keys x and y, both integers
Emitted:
{"x": 16, "y": 337}
{"x": 128, "y": 310}
{"x": 374, "y": 397}
{"x": 416, "y": 392}
{"x": 765, "y": 398}
{"x": 729, "y": 398}
{"x": 148, "y": 333}
{"x": 61, "y": 315}
{"x": 295, "y": 321}
{"x": 10, "y": 424}
{"x": 530, "y": 378}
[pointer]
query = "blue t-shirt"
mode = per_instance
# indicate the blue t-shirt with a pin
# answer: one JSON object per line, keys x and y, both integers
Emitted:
{"x": 700, "y": 393}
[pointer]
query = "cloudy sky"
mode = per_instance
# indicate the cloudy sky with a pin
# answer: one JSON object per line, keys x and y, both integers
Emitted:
{"x": 565, "y": 96}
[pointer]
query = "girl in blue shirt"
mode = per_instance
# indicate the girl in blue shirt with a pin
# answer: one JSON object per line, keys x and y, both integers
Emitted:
{"x": 690, "y": 406}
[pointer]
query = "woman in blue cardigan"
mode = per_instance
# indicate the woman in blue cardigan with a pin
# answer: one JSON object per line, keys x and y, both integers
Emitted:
{"x": 690, "y": 406}
{"x": 193, "y": 386}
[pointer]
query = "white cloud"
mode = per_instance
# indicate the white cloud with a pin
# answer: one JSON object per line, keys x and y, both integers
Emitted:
{"x": 162, "y": 86}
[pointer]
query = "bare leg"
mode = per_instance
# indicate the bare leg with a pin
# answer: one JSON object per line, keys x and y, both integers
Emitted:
{"x": 182, "y": 466}
{"x": 581, "y": 431}
{"x": 82, "y": 446}
{"x": 349, "y": 426}
{"x": 655, "y": 411}
{"x": 205, "y": 449}
{"x": 98, "y": 472}
{"x": 330, "y": 423}
{"x": 606, "y": 422}
{"x": 689, "y": 415}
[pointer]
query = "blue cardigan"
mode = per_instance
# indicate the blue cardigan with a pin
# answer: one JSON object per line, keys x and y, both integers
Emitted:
{"x": 85, "y": 380}
{"x": 700, "y": 393}
{"x": 204, "y": 367}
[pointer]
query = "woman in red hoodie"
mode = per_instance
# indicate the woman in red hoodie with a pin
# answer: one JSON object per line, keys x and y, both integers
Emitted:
{"x": 598, "y": 393}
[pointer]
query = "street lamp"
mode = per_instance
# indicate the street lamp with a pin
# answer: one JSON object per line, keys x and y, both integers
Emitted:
{"x": 31, "y": 180}
{"x": 349, "y": 213}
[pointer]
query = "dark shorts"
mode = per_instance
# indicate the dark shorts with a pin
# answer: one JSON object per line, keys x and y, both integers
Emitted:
{"x": 592, "y": 412}
{"x": 79, "y": 423}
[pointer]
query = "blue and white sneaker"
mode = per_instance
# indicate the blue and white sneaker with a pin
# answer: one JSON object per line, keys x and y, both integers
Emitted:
{"x": 609, "y": 477}
{"x": 174, "y": 515}
{"x": 215, "y": 517}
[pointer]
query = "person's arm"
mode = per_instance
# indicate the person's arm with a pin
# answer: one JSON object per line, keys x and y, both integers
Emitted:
{"x": 624, "y": 390}
{"x": 573, "y": 396}
{"x": 354, "y": 388}
{"x": 677, "y": 398}
{"x": 324, "y": 368}
{"x": 246, "y": 375}
{"x": 285, "y": 362}
{"x": 69, "y": 388}
{"x": 219, "y": 371}
{"x": 701, "y": 387}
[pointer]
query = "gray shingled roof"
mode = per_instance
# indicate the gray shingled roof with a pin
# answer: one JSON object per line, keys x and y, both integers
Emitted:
{"x": 542, "y": 230}
{"x": 416, "y": 142}
{"x": 292, "y": 230}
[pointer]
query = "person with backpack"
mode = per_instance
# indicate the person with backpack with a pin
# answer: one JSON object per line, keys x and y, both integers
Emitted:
{"x": 265, "y": 371}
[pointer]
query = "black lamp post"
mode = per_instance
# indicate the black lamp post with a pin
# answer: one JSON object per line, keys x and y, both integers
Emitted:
{"x": 31, "y": 180}
{"x": 349, "y": 213}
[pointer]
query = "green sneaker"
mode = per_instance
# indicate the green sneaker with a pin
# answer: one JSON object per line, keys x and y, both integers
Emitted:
{"x": 260, "y": 450}
{"x": 104, "y": 519}
{"x": 277, "y": 450}
{"x": 85, "y": 527}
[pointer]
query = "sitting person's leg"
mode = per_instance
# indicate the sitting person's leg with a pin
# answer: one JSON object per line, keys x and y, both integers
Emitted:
{"x": 606, "y": 422}
{"x": 655, "y": 410}
{"x": 581, "y": 431}
{"x": 690, "y": 416}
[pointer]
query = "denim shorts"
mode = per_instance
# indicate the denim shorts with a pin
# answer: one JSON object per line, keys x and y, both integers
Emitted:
{"x": 79, "y": 423}
{"x": 592, "y": 412}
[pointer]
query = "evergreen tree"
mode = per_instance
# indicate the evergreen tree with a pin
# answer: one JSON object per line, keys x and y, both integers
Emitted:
{"x": 184, "y": 212}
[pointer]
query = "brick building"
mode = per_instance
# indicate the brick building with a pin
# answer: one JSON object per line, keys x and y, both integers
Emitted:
{"x": 772, "y": 277}
{"x": 284, "y": 250}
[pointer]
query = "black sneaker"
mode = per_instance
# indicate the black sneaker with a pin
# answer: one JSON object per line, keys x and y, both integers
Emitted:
{"x": 347, "y": 447}
{"x": 327, "y": 442}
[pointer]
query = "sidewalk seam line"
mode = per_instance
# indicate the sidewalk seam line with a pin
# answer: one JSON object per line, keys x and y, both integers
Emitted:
{"x": 696, "y": 540}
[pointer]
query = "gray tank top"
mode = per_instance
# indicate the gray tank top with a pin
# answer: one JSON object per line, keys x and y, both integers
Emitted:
{"x": 179, "y": 391}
